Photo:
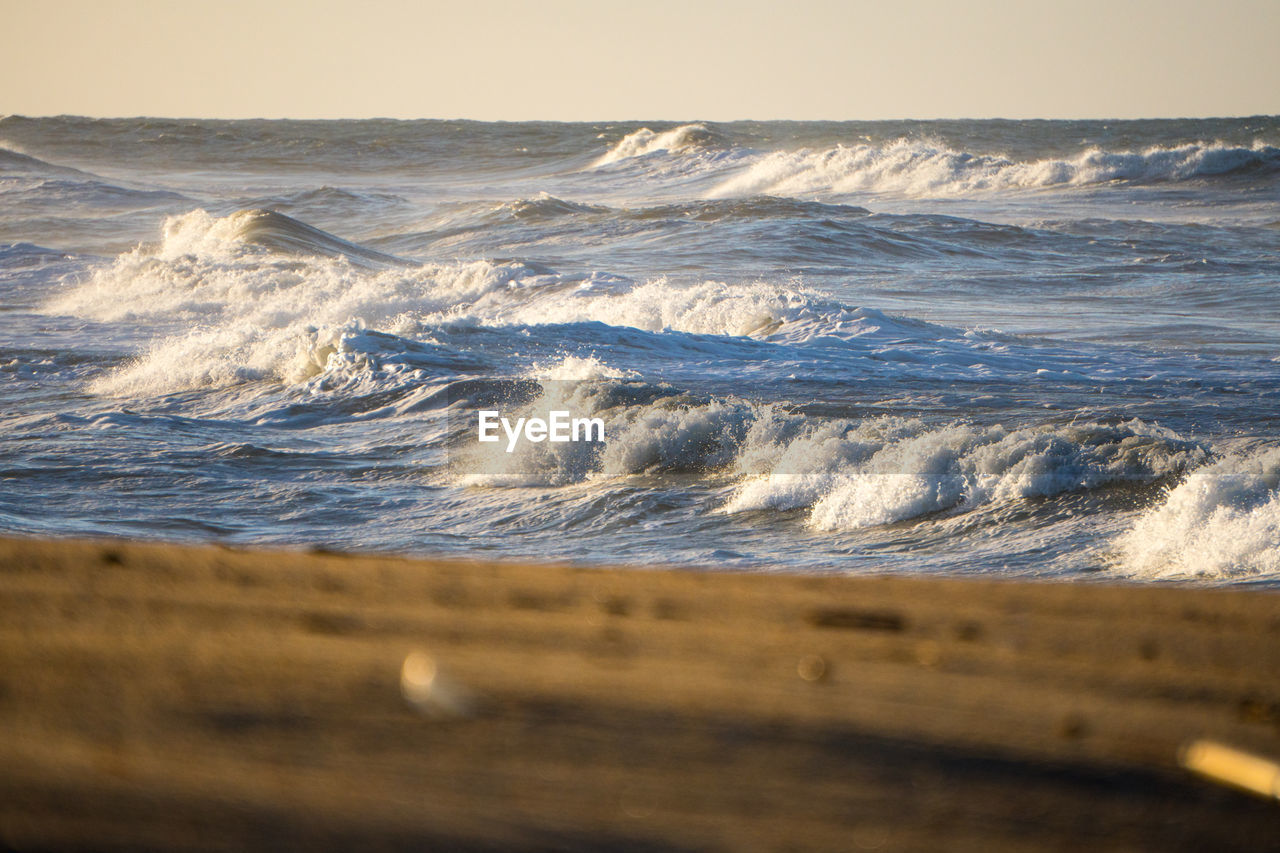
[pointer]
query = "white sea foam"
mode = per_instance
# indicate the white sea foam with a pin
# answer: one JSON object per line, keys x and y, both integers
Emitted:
{"x": 847, "y": 474}
{"x": 673, "y": 435}
{"x": 1222, "y": 522}
{"x": 574, "y": 368}
{"x": 709, "y": 308}
{"x": 670, "y": 434}
{"x": 926, "y": 168}
{"x": 247, "y": 310}
{"x": 879, "y": 472}
{"x": 254, "y": 313}
{"x": 253, "y": 296}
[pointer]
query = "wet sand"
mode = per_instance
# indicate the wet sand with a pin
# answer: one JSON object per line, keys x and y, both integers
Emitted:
{"x": 163, "y": 697}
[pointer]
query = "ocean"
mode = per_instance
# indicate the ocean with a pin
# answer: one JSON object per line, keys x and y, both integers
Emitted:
{"x": 1028, "y": 349}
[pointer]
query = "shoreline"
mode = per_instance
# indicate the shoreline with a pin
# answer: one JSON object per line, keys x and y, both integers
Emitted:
{"x": 158, "y": 696}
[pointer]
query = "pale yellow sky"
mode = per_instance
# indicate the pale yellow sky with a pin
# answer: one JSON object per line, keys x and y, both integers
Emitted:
{"x": 642, "y": 59}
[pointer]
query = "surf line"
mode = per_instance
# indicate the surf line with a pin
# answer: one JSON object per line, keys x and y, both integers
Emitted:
{"x": 558, "y": 426}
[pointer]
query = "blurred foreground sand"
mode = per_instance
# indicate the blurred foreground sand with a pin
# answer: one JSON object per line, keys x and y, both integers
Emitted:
{"x": 164, "y": 697}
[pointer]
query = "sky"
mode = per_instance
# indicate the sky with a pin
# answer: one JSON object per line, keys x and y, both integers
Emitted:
{"x": 642, "y": 59}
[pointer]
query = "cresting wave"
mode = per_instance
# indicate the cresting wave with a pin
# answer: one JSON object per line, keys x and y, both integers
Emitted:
{"x": 15, "y": 163}
{"x": 1222, "y": 522}
{"x": 921, "y": 168}
{"x": 851, "y": 476}
{"x": 259, "y": 295}
{"x": 677, "y": 140}
{"x": 198, "y": 234}
{"x": 845, "y": 475}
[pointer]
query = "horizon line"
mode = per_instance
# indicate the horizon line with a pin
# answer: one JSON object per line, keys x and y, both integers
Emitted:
{"x": 141, "y": 116}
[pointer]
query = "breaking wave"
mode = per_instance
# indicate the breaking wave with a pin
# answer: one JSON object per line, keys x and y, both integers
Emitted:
{"x": 198, "y": 233}
{"x": 920, "y": 168}
{"x": 883, "y": 471}
{"x": 844, "y": 475}
{"x": 686, "y": 137}
{"x": 1222, "y": 522}
{"x": 258, "y": 295}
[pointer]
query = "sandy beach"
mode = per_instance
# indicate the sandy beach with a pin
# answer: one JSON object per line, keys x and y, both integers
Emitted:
{"x": 164, "y": 697}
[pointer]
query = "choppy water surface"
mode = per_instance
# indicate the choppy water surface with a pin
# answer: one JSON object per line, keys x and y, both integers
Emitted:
{"x": 1023, "y": 348}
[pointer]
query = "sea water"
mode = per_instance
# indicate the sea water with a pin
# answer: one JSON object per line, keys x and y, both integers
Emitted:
{"x": 978, "y": 347}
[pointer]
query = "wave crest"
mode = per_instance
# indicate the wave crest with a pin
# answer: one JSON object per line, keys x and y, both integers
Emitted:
{"x": 884, "y": 471}
{"x": 546, "y": 207}
{"x": 848, "y": 475}
{"x": 248, "y": 297}
{"x": 232, "y": 298}
{"x": 15, "y": 163}
{"x": 686, "y": 137}
{"x": 1222, "y": 522}
{"x": 199, "y": 233}
{"x": 918, "y": 168}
